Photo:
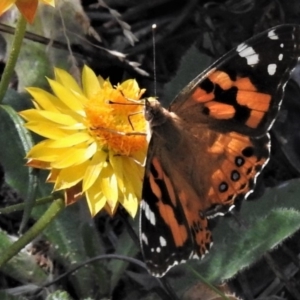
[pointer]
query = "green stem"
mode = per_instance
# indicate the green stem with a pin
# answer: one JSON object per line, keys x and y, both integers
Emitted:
{"x": 21, "y": 206}
{"x": 13, "y": 56}
{"x": 52, "y": 212}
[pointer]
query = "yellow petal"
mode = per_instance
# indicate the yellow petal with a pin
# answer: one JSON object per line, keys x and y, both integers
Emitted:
{"x": 101, "y": 80}
{"x": 139, "y": 158}
{"x": 117, "y": 165}
{"x": 70, "y": 176}
{"x": 44, "y": 116}
{"x": 53, "y": 175}
{"x": 46, "y": 129}
{"x": 71, "y": 140}
{"x": 109, "y": 210}
{"x": 33, "y": 163}
{"x": 45, "y": 100}
{"x": 106, "y": 83}
{"x": 74, "y": 127}
{"x": 130, "y": 88}
{"x": 75, "y": 156}
{"x": 5, "y": 5}
{"x": 94, "y": 169}
{"x": 109, "y": 185}
{"x": 49, "y": 102}
{"x": 43, "y": 153}
{"x": 130, "y": 202}
{"x": 134, "y": 174}
{"x": 90, "y": 83}
{"x": 49, "y": 2}
{"x": 65, "y": 79}
{"x": 66, "y": 96}
{"x": 95, "y": 198}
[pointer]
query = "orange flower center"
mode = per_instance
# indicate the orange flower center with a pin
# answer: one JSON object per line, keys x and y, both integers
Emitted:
{"x": 121, "y": 127}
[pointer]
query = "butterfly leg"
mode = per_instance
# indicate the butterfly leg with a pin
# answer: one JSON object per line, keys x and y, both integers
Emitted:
{"x": 131, "y": 115}
{"x": 142, "y": 164}
{"x": 120, "y": 132}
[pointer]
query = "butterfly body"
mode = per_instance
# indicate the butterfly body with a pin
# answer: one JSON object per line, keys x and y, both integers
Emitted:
{"x": 208, "y": 148}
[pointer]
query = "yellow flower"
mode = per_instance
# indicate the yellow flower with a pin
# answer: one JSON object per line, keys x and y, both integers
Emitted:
{"x": 88, "y": 149}
{"x": 26, "y": 7}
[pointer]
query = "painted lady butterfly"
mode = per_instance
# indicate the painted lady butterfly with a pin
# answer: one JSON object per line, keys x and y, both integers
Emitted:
{"x": 208, "y": 148}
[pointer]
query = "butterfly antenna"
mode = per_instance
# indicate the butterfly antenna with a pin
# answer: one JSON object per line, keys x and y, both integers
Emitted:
{"x": 154, "y": 57}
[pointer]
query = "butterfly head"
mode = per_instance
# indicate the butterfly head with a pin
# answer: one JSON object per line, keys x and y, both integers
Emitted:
{"x": 154, "y": 113}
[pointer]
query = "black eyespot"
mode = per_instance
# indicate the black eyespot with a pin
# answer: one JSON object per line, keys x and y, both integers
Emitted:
{"x": 235, "y": 175}
{"x": 248, "y": 151}
{"x": 223, "y": 187}
{"x": 239, "y": 161}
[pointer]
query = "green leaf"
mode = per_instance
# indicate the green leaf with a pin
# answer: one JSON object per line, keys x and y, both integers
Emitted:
{"x": 238, "y": 246}
{"x": 17, "y": 101}
{"x": 33, "y": 64}
{"x": 126, "y": 247}
{"x": 71, "y": 233}
{"x": 18, "y": 142}
{"x": 247, "y": 245}
{"x": 23, "y": 266}
{"x": 6, "y": 296}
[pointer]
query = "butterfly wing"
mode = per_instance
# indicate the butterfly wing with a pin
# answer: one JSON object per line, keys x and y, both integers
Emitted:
{"x": 210, "y": 148}
{"x": 171, "y": 231}
{"x": 243, "y": 90}
{"x": 238, "y": 99}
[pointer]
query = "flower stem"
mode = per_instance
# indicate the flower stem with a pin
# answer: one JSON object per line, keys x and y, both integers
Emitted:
{"x": 21, "y": 206}
{"x": 13, "y": 56}
{"x": 53, "y": 211}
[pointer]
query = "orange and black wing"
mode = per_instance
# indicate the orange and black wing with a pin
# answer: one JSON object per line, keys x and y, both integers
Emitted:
{"x": 171, "y": 229}
{"x": 235, "y": 102}
{"x": 238, "y": 99}
{"x": 243, "y": 90}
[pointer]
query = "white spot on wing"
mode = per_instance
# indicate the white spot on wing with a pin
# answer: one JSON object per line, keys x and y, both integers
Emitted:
{"x": 267, "y": 160}
{"x": 193, "y": 255}
{"x": 149, "y": 214}
{"x": 158, "y": 249}
{"x": 272, "y": 35}
{"x": 144, "y": 238}
{"x": 272, "y": 69}
{"x": 162, "y": 241}
{"x": 280, "y": 56}
{"x": 248, "y": 52}
{"x": 281, "y": 45}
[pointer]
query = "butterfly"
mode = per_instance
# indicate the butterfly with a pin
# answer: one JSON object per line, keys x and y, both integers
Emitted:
{"x": 207, "y": 149}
